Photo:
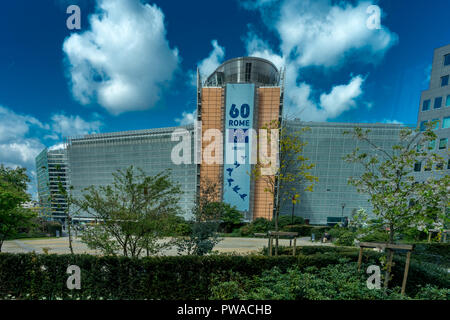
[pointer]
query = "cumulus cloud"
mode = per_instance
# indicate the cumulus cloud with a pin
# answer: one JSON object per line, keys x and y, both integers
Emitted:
{"x": 215, "y": 59}
{"x": 186, "y": 118}
{"x": 16, "y": 147}
{"x": 206, "y": 66}
{"x": 319, "y": 34}
{"x": 71, "y": 125}
{"x": 19, "y": 145}
{"x": 124, "y": 60}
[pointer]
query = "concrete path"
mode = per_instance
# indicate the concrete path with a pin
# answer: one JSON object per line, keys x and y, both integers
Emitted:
{"x": 61, "y": 245}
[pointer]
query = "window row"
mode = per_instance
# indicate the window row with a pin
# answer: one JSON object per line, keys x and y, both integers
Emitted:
{"x": 432, "y": 144}
{"x": 436, "y": 124}
{"x": 426, "y": 105}
{"x": 439, "y": 166}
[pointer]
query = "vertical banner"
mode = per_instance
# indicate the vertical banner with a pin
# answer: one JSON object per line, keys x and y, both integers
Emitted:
{"x": 239, "y": 102}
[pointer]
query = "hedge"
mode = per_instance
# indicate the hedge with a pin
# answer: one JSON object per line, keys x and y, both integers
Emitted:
{"x": 179, "y": 277}
{"x": 31, "y": 276}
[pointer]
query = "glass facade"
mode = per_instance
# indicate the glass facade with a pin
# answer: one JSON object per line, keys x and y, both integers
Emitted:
{"x": 93, "y": 159}
{"x": 51, "y": 169}
{"x": 326, "y": 147}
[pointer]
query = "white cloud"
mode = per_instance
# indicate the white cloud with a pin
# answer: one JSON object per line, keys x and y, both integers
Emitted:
{"x": 209, "y": 64}
{"x": 65, "y": 126}
{"x": 215, "y": 59}
{"x": 319, "y": 34}
{"x": 18, "y": 145}
{"x": 186, "y": 118}
{"x": 390, "y": 121}
{"x": 205, "y": 67}
{"x": 340, "y": 99}
{"x": 124, "y": 60}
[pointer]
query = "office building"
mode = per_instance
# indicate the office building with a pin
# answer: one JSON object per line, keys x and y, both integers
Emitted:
{"x": 326, "y": 147}
{"x": 94, "y": 158}
{"x": 435, "y": 107}
{"x": 51, "y": 170}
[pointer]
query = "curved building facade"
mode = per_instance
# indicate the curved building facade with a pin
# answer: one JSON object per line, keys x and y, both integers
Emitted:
{"x": 238, "y": 98}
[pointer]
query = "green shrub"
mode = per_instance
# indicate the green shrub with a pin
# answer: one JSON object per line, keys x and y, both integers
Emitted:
{"x": 433, "y": 293}
{"x": 346, "y": 238}
{"x": 333, "y": 282}
{"x": 194, "y": 277}
{"x": 286, "y": 220}
{"x": 306, "y": 230}
{"x": 374, "y": 236}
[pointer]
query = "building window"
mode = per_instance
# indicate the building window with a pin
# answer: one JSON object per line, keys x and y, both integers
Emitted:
{"x": 435, "y": 124}
{"x": 447, "y": 60}
{"x": 447, "y": 103}
{"x": 448, "y": 164}
{"x": 423, "y": 125}
{"x": 431, "y": 145}
{"x": 446, "y": 123}
{"x": 248, "y": 71}
{"x": 438, "y": 102}
{"x": 419, "y": 148}
{"x": 418, "y": 166}
{"x": 426, "y": 105}
{"x": 444, "y": 81}
{"x": 440, "y": 166}
{"x": 443, "y": 143}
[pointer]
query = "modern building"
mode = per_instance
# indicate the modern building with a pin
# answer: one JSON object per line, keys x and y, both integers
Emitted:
{"x": 435, "y": 107}
{"x": 326, "y": 147}
{"x": 240, "y": 95}
{"x": 51, "y": 170}
{"x": 94, "y": 158}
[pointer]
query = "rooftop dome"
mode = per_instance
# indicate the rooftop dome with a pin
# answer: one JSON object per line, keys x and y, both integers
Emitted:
{"x": 259, "y": 71}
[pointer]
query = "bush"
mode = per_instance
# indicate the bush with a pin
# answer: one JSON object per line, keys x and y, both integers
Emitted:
{"x": 374, "y": 236}
{"x": 286, "y": 220}
{"x": 195, "y": 277}
{"x": 333, "y": 282}
{"x": 346, "y": 238}
{"x": 307, "y": 230}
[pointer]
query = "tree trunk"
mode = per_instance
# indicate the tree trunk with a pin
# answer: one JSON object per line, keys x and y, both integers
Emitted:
{"x": 391, "y": 233}
{"x": 276, "y": 229}
{"x": 70, "y": 234}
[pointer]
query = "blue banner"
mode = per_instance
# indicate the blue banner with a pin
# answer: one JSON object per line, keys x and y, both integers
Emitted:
{"x": 239, "y": 108}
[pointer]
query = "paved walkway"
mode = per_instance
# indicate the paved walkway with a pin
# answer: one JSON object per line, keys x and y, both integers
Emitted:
{"x": 61, "y": 245}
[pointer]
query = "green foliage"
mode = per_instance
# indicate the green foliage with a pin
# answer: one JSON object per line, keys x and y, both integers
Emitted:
{"x": 307, "y": 230}
{"x": 388, "y": 177}
{"x": 286, "y": 220}
{"x": 429, "y": 292}
{"x": 230, "y": 217}
{"x": 135, "y": 212}
{"x": 333, "y": 282}
{"x": 13, "y": 186}
{"x": 346, "y": 238}
{"x": 206, "y": 214}
{"x": 259, "y": 225}
{"x": 316, "y": 272}
{"x": 374, "y": 235}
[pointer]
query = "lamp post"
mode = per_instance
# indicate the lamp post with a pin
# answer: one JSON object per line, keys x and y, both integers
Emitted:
{"x": 342, "y": 214}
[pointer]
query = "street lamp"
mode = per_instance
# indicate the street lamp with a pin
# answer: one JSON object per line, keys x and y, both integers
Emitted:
{"x": 342, "y": 215}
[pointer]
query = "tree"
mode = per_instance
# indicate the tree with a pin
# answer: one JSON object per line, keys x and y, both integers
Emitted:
{"x": 398, "y": 200}
{"x": 13, "y": 186}
{"x": 64, "y": 194}
{"x": 206, "y": 215}
{"x": 230, "y": 216}
{"x": 132, "y": 213}
{"x": 293, "y": 169}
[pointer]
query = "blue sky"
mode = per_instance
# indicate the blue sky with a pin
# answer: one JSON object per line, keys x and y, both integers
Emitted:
{"x": 131, "y": 65}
